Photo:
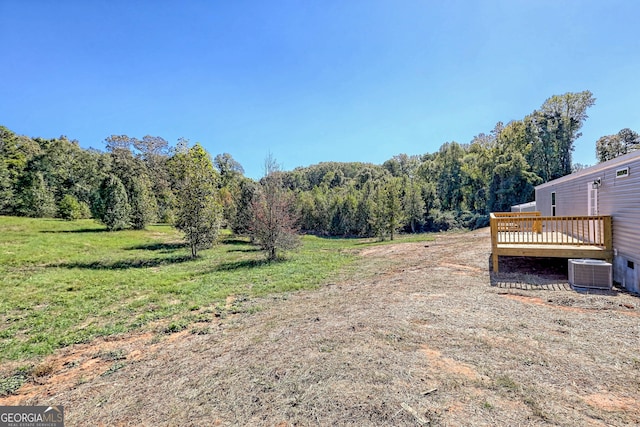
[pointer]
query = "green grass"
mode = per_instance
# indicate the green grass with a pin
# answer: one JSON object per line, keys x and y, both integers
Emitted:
{"x": 70, "y": 282}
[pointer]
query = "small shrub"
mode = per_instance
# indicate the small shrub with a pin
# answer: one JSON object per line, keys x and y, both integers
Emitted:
{"x": 42, "y": 370}
{"x": 70, "y": 208}
{"x": 504, "y": 381}
{"x": 167, "y": 216}
{"x": 443, "y": 220}
{"x": 10, "y": 385}
{"x": 450, "y": 220}
{"x": 85, "y": 210}
{"x": 174, "y": 327}
{"x": 481, "y": 221}
{"x": 472, "y": 220}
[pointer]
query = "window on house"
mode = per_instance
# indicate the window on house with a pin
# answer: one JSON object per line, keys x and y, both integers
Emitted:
{"x": 553, "y": 203}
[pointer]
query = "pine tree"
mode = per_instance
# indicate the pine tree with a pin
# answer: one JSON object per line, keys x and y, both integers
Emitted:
{"x": 37, "y": 198}
{"x": 114, "y": 210}
{"x": 376, "y": 211}
{"x": 393, "y": 213}
{"x": 143, "y": 203}
{"x": 241, "y": 223}
{"x": 6, "y": 190}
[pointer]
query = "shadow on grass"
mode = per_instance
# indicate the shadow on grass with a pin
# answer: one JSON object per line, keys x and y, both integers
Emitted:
{"x": 241, "y": 265}
{"x": 234, "y": 241}
{"x": 344, "y": 237}
{"x": 125, "y": 264}
{"x": 160, "y": 247}
{"x": 245, "y": 250}
{"x": 80, "y": 230}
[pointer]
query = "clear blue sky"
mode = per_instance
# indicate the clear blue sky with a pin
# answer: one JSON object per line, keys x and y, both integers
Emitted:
{"x": 312, "y": 81}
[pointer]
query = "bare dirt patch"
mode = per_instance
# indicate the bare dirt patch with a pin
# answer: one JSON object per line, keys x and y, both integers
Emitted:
{"x": 539, "y": 301}
{"x": 421, "y": 333}
{"x": 612, "y": 402}
{"x": 445, "y": 364}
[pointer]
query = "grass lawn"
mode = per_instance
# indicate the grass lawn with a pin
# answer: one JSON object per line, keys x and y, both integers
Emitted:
{"x": 69, "y": 282}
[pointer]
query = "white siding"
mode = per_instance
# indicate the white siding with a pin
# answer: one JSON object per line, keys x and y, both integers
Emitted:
{"x": 525, "y": 207}
{"x": 618, "y": 197}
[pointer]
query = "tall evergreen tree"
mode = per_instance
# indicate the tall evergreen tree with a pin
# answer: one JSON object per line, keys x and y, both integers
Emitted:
{"x": 113, "y": 208}
{"x": 6, "y": 190}
{"x": 394, "y": 215}
{"x": 377, "y": 214}
{"x": 143, "y": 203}
{"x": 414, "y": 207}
{"x": 243, "y": 199}
{"x": 37, "y": 198}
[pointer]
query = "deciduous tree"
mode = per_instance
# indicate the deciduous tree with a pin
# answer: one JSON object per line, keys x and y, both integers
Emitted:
{"x": 414, "y": 207}
{"x": 611, "y": 146}
{"x": 71, "y": 209}
{"x": 556, "y": 127}
{"x": 198, "y": 213}
{"x": 274, "y": 226}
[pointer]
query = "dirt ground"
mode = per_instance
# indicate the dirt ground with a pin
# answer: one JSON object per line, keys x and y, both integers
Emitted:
{"x": 420, "y": 334}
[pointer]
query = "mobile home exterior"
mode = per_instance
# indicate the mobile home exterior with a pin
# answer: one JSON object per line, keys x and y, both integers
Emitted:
{"x": 609, "y": 188}
{"x": 525, "y": 207}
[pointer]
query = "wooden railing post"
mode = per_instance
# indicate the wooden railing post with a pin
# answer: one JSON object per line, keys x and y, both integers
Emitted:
{"x": 537, "y": 226}
{"x": 494, "y": 242}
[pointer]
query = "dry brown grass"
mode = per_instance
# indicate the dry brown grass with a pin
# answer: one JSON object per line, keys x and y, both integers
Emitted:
{"x": 421, "y": 334}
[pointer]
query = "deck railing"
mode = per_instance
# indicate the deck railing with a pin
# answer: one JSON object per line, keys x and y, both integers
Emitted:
{"x": 518, "y": 228}
{"x": 530, "y": 230}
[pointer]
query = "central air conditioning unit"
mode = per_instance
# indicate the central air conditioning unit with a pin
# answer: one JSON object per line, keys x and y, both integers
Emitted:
{"x": 590, "y": 273}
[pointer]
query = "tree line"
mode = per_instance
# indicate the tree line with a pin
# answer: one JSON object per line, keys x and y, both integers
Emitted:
{"x": 138, "y": 181}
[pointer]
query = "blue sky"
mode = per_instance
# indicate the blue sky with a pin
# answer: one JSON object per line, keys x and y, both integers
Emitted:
{"x": 312, "y": 81}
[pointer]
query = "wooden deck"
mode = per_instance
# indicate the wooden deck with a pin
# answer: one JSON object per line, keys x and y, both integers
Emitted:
{"x": 529, "y": 234}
